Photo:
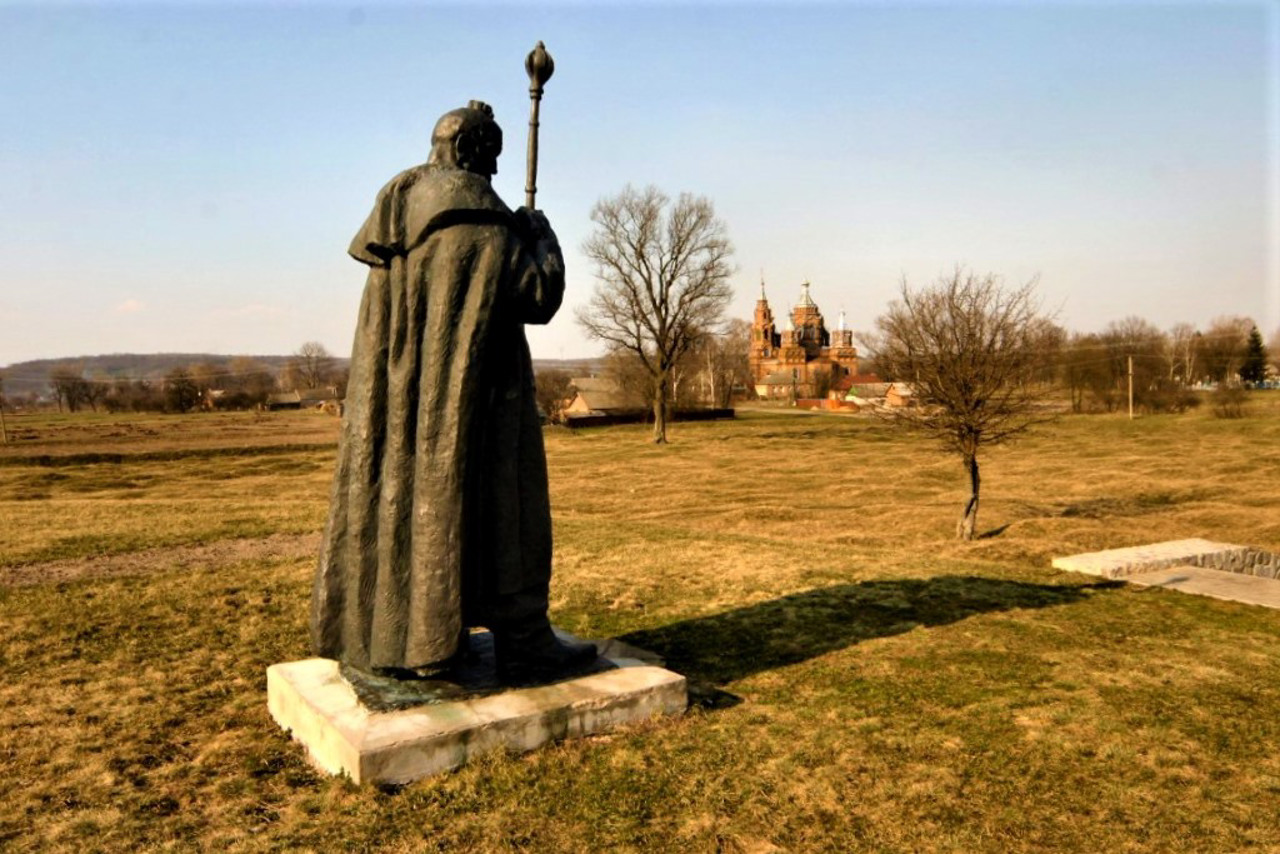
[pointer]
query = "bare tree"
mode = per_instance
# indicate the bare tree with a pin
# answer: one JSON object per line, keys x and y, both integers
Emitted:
{"x": 1222, "y": 348}
{"x": 248, "y": 383}
{"x": 662, "y": 273}
{"x": 1138, "y": 343}
{"x": 628, "y": 375}
{"x": 138, "y": 395}
{"x": 1083, "y": 367}
{"x": 972, "y": 351}
{"x": 311, "y": 365}
{"x": 208, "y": 376}
{"x": 715, "y": 365}
{"x": 181, "y": 394}
{"x": 70, "y": 387}
{"x": 1181, "y": 353}
{"x": 725, "y": 364}
{"x": 1055, "y": 342}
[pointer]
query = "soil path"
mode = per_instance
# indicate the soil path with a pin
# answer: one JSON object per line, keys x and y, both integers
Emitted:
{"x": 218, "y": 553}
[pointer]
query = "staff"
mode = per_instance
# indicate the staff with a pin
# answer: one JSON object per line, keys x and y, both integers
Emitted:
{"x": 540, "y": 67}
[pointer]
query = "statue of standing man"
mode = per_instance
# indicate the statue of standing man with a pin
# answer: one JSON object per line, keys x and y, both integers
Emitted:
{"x": 439, "y": 517}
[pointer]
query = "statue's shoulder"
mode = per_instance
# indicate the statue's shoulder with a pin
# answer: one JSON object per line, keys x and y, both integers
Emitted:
{"x": 436, "y": 198}
{"x": 396, "y": 187}
{"x": 420, "y": 200}
{"x": 449, "y": 190}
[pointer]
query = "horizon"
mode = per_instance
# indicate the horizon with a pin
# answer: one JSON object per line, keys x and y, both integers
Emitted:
{"x": 187, "y": 178}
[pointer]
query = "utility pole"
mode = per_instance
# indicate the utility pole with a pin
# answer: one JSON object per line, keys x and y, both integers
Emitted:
{"x": 1130, "y": 388}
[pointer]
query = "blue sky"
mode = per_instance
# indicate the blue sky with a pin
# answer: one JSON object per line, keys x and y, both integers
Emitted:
{"x": 187, "y": 177}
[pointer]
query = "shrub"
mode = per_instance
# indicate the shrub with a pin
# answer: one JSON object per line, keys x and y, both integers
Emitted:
{"x": 1229, "y": 400}
{"x": 1168, "y": 396}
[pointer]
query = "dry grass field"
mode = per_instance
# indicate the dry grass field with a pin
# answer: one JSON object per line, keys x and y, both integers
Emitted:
{"x": 861, "y": 680}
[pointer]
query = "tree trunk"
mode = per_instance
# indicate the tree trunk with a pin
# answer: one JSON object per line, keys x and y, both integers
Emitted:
{"x": 969, "y": 520}
{"x": 660, "y": 411}
{"x": 711, "y": 378}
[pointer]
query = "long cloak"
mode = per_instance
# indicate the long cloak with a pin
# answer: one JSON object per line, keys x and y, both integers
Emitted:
{"x": 439, "y": 505}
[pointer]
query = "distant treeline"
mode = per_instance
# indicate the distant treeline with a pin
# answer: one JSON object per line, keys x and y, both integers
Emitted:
{"x": 1094, "y": 368}
{"x": 179, "y": 382}
{"x": 171, "y": 382}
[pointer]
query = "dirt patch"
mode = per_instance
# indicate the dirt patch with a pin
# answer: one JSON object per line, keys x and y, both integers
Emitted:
{"x": 218, "y": 553}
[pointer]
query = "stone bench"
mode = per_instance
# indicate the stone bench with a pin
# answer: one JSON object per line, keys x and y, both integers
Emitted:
{"x": 1119, "y": 563}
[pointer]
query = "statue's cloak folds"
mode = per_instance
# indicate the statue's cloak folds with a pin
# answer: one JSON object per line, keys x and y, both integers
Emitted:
{"x": 439, "y": 504}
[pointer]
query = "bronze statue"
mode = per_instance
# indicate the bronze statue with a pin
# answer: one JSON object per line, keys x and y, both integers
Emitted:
{"x": 439, "y": 516}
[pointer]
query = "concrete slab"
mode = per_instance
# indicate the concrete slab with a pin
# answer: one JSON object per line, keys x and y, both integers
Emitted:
{"x": 319, "y": 708}
{"x": 1121, "y": 563}
{"x": 1250, "y": 589}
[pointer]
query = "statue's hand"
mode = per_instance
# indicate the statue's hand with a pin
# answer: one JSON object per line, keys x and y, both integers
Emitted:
{"x": 534, "y": 224}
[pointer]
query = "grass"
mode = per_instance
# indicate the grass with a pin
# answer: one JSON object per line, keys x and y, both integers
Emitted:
{"x": 861, "y": 680}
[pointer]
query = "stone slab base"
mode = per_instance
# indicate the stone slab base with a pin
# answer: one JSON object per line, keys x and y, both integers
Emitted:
{"x": 312, "y": 701}
{"x": 1119, "y": 563}
{"x": 1232, "y": 586}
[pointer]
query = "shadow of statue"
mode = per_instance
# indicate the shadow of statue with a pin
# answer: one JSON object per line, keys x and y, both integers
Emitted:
{"x": 721, "y": 648}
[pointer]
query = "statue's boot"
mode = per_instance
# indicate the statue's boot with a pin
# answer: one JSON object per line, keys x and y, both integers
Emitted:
{"x": 532, "y": 653}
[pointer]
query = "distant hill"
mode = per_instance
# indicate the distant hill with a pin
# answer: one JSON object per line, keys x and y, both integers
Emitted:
{"x": 576, "y": 367}
{"x": 33, "y": 376}
{"x": 23, "y": 378}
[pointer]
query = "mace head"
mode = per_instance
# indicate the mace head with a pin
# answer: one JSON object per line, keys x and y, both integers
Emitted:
{"x": 540, "y": 66}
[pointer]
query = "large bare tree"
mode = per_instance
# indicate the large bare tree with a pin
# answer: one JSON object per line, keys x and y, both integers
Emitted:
{"x": 662, "y": 272}
{"x": 974, "y": 353}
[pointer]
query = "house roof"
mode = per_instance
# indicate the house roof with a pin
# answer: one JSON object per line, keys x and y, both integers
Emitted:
{"x": 594, "y": 384}
{"x": 603, "y": 394}
{"x": 848, "y": 382}
{"x": 870, "y": 389}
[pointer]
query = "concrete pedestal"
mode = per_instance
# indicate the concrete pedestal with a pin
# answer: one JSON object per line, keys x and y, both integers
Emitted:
{"x": 319, "y": 708}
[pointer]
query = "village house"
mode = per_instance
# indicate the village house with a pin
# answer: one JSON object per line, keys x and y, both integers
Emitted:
{"x": 325, "y": 398}
{"x": 602, "y": 396}
{"x": 900, "y": 394}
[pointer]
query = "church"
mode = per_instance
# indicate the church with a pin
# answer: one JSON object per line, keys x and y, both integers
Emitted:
{"x": 804, "y": 360}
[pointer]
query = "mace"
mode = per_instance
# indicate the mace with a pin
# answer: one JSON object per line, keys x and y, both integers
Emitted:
{"x": 540, "y": 67}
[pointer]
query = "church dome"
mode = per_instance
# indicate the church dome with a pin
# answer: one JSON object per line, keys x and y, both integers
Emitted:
{"x": 806, "y": 301}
